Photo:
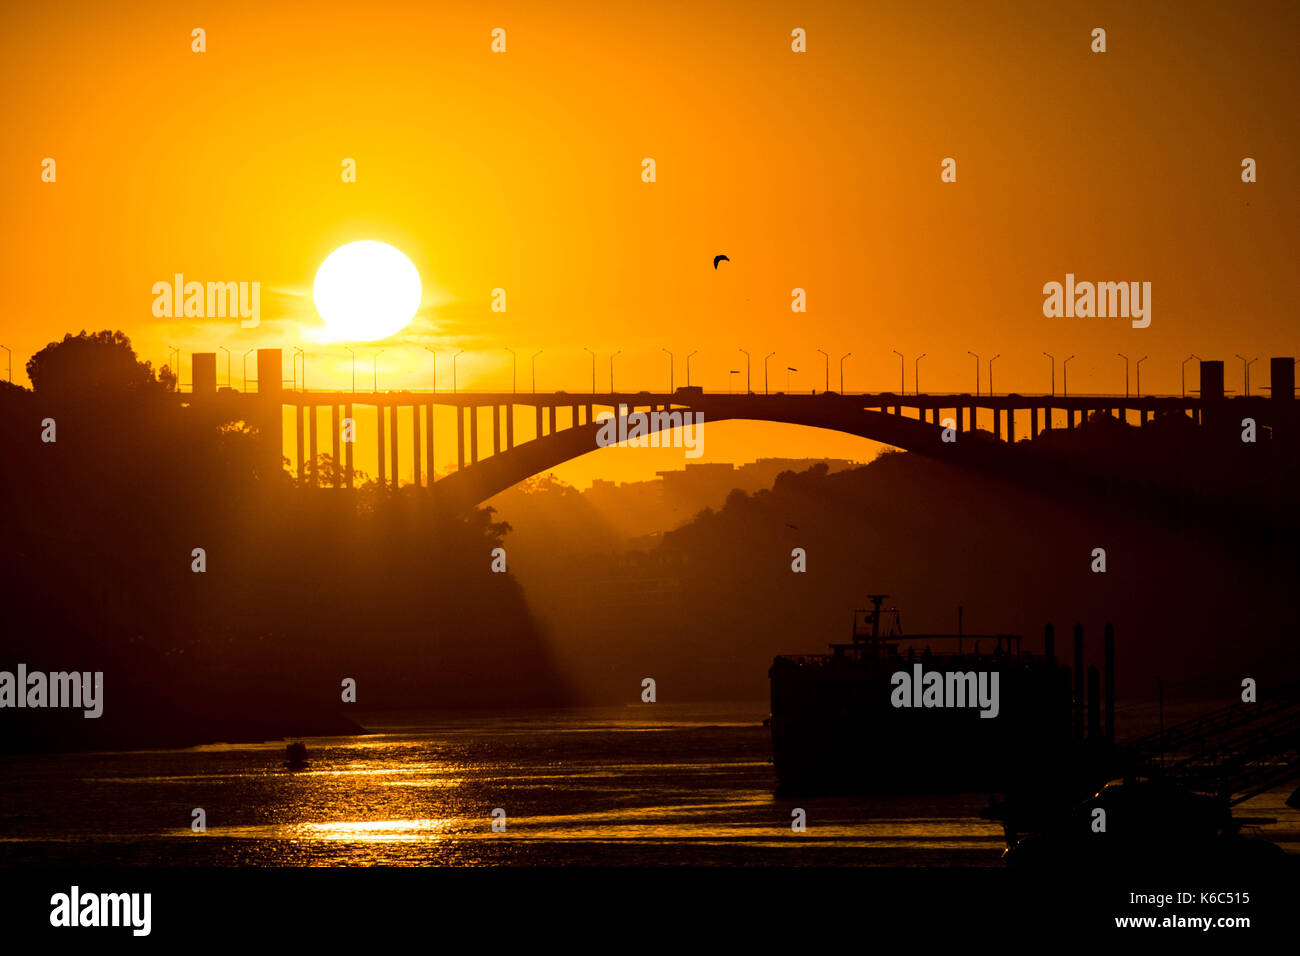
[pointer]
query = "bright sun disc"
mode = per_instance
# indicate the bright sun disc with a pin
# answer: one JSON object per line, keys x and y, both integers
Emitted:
{"x": 366, "y": 290}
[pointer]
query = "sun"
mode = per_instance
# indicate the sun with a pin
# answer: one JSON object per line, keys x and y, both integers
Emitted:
{"x": 366, "y": 290}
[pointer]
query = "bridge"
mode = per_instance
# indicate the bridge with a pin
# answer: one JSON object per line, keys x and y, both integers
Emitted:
{"x": 973, "y": 430}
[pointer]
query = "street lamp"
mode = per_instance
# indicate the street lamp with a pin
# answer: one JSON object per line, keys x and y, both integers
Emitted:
{"x": 991, "y": 361}
{"x": 1137, "y": 368}
{"x": 916, "y": 373}
{"x": 1182, "y": 371}
{"x": 765, "y": 358}
{"x": 977, "y": 371}
{"x": 1065, "y": 377}
{"x": 426, "y": 348}
{"x": 611, "y": 370}
{"x": 670, "y": 370}
{"x": 374, "y": 384}
{"x": 299, "y": 352}
{"x": 453, "y": 370}
{"x": 177, "y": 367}
{"x": 593, "y": 368}
{"x": 828, "y": 369}
{"x": 788, "y": 370}
{"x": 227, "y": 351}
{"x": 1125, "y": 358}
{"x": 244, "y": 363}
{"x": 354, "y": 367}
{"x": 747, "y": 386}
{"x": 1245, "y": 368}
{"x": 902, "y": 380}
{"x": 535, "y": 354}
{"x": 842, "y": 358}
{"x": 1053, "y": 364}
{"x": 514, "y": 372}
{"x": 688, "y": 369}
{"x": 730, "y": 386}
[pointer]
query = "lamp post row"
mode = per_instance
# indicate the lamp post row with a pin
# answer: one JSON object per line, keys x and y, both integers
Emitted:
{"x": 300, "y": 356}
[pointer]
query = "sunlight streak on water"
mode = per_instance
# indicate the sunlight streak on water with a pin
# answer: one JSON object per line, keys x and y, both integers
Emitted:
{"x": 609, "y": 787}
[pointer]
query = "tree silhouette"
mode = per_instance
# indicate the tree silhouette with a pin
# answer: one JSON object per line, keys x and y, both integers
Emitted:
{"x": 88, "y": 362}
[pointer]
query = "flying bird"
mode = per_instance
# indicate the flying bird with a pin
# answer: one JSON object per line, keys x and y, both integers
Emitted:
{"x": 717, "y": 259}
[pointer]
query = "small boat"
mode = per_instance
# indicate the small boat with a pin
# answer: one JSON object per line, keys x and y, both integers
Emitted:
{"x": 296, "y": 756}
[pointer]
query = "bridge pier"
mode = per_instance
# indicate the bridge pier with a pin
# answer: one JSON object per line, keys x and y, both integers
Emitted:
{"x": 460, "y": 438}
{"x": 270, "y": 413}
{"x": 299, "y": 439}
{"x": 1011, "y": 426}
{"x": 347, "y": 451}
{"x": 473, "y": 434}
{"x": 379, "y": 416}
{"x": 496, "y": 429}
{"x": 392, "y": 446}
{"x": 415, "y": 444}
{"x": 552, "y": 410}
{"x": 997, "y": 423}
{"x": 311, "y": 431}
{"x": 338, "y": 440}
{"x": 539, "y": 422}
{"x": 510, "y": 427}
{"x": 428, "y": 443}
{"x": 1033, "y": 421}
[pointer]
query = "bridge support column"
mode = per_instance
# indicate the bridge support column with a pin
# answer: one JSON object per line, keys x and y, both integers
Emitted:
{"x": 338, "y": 441}
{"x": 460, "y": 438}
{"x": 496, "y": 429}
{"x": 347, "y": 450}
{"x": 934, "y": 415}
{"x": 539, "y": 422}
{"x": 415, "y": 444}
{"x": 428, "y": 443}
{"x": 270, "y": 412}
{"x": 510, "y": 427}
{"x": 311, "y": 432}
{"x": 552, "y": 419}
{"x": 299, "y": 439}
{"x": 392, "y": 448}
{"x": 383, "y": 474}
{"x": 1011, "y": 426}
{"x": 1033, "y": 421}
{"x": 590, "y": 416}
{"x": 997, "y": 423}
{"x": 473, "y": 434}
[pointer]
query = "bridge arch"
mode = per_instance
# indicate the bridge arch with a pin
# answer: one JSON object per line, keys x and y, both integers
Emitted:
{"x": 490, "y": 476}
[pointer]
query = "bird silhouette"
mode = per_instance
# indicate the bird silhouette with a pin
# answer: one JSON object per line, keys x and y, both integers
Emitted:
{"x": 717, "y": 259}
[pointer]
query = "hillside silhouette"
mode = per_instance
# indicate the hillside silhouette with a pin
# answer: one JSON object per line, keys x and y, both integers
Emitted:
{"x": 1199, "y": 595}
{"x": 301, "y": 590}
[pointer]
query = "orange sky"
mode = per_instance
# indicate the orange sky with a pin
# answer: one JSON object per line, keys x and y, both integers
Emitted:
{"x": 523, "y": 171}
